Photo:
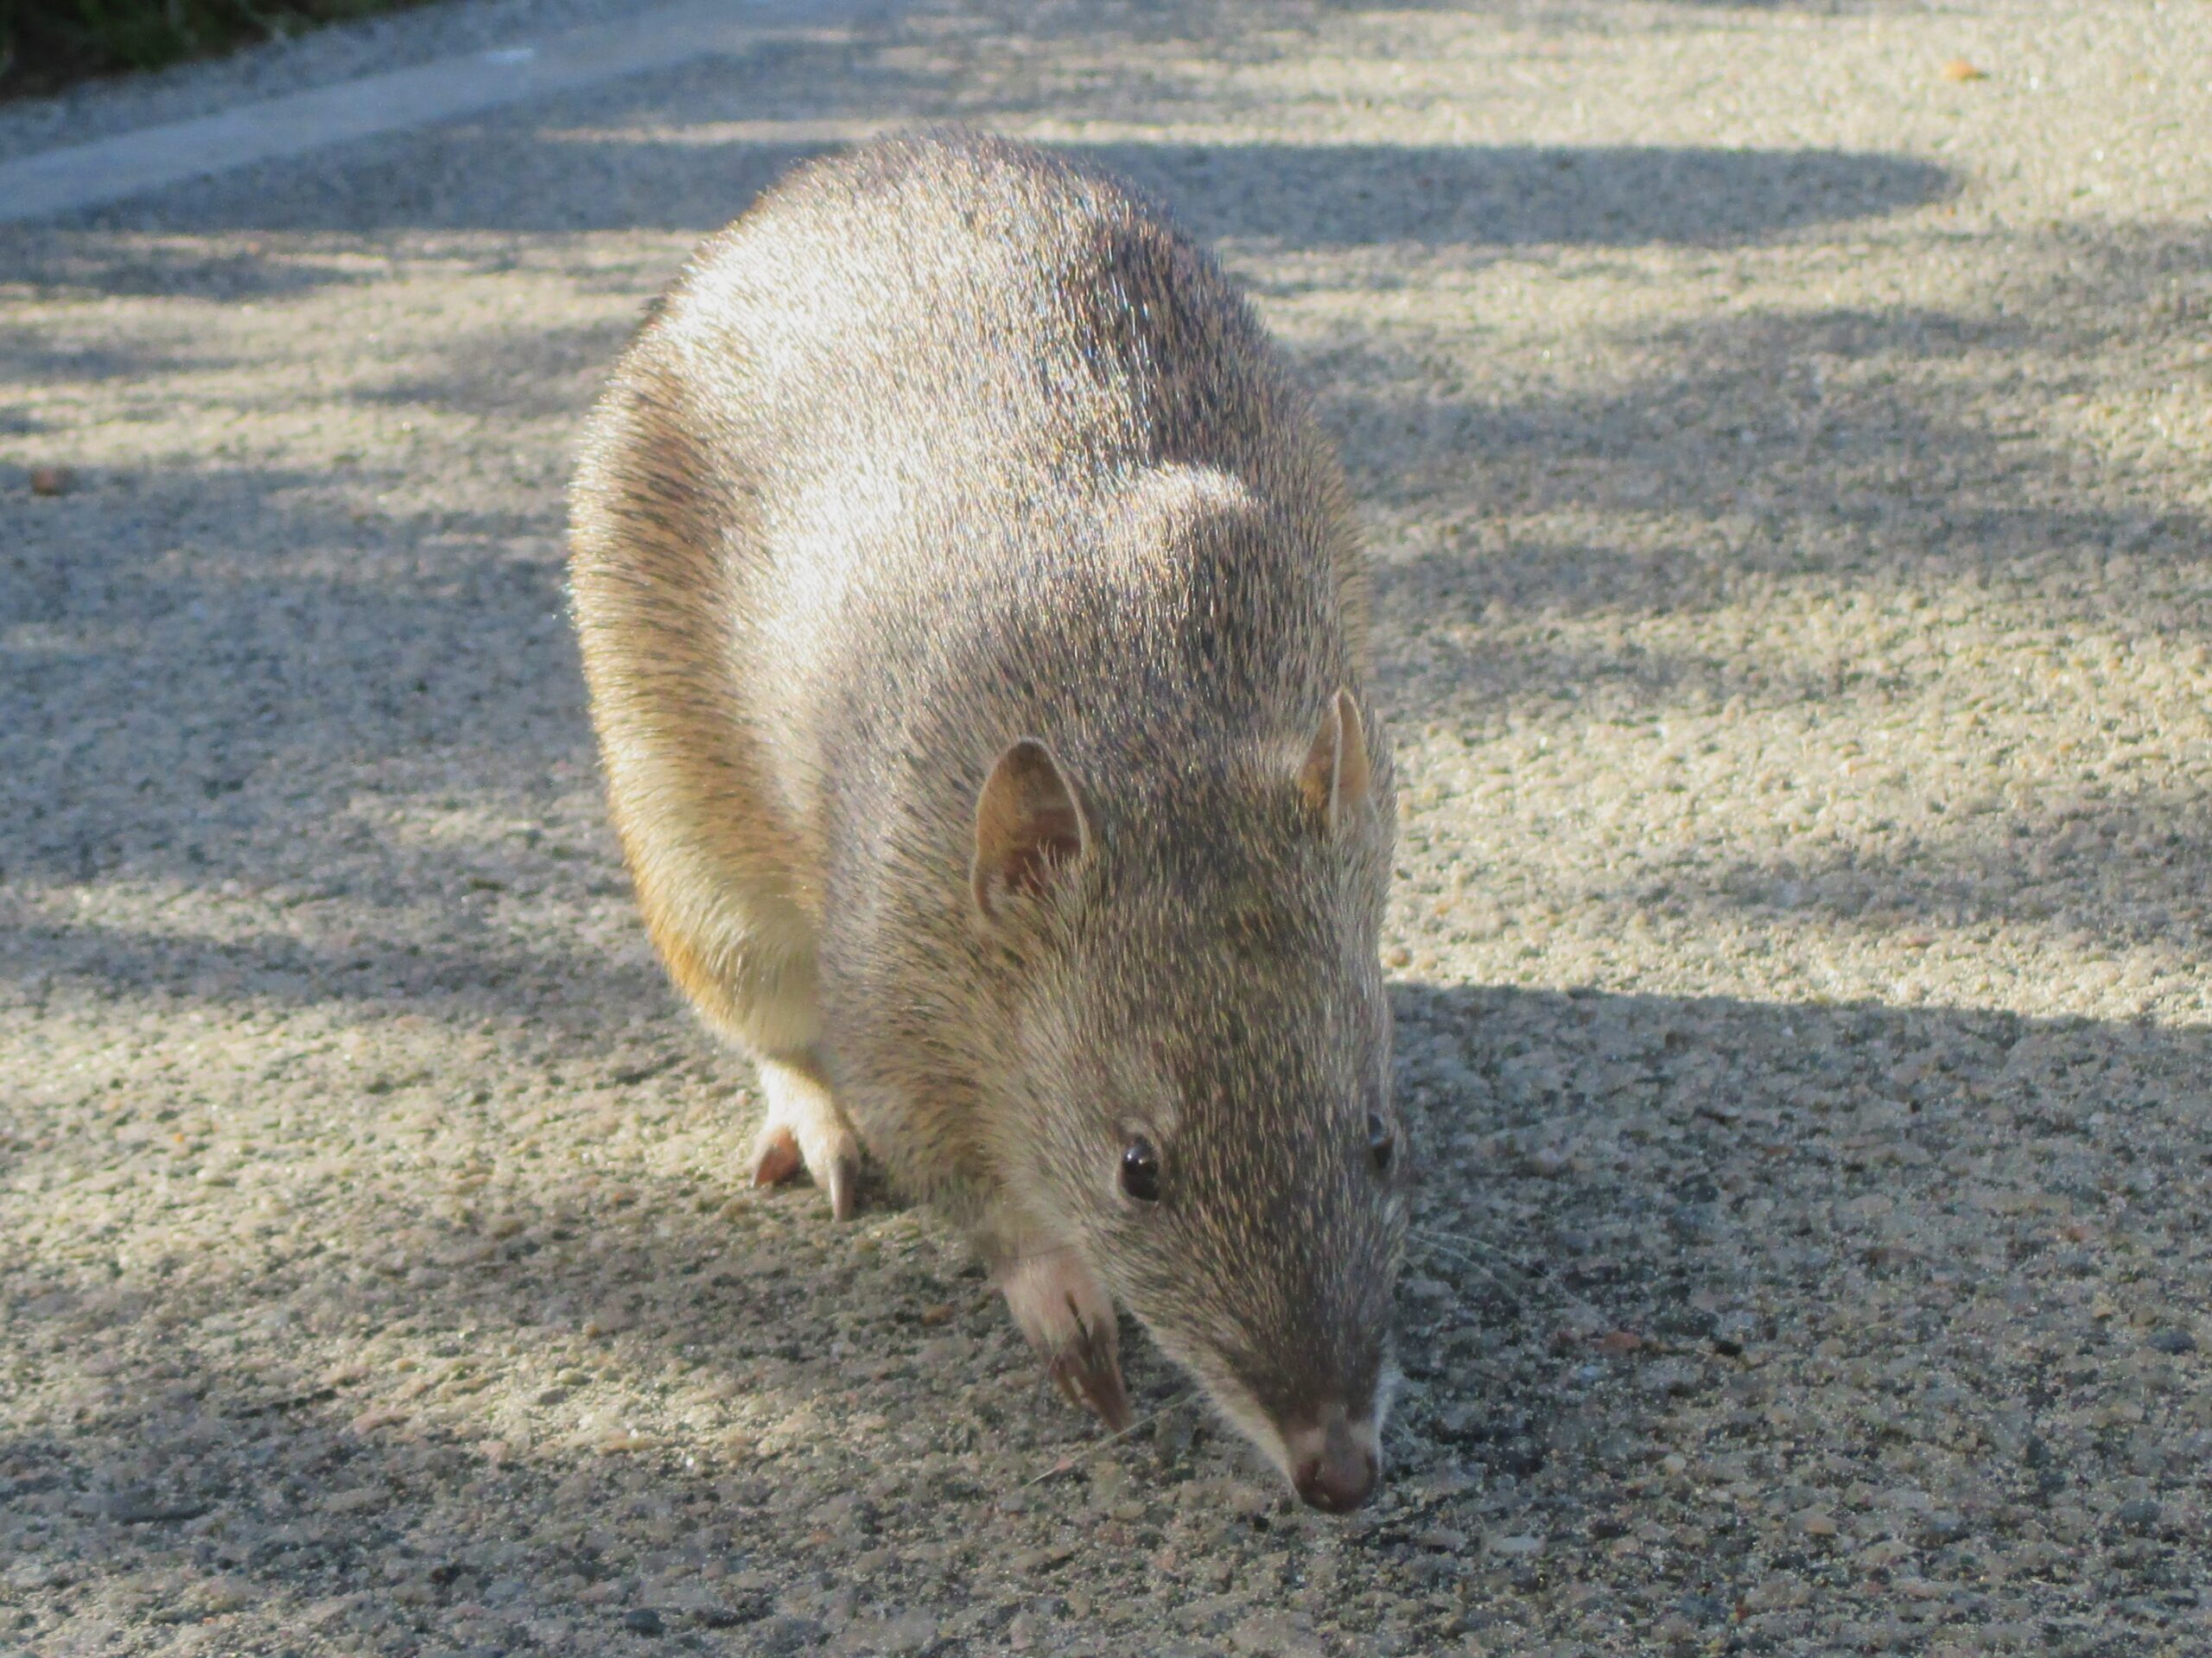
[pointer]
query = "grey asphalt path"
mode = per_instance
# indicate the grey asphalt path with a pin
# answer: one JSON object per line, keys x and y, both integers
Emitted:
{"x": 99, "y": 171}
{"x": 1787, "y": 468}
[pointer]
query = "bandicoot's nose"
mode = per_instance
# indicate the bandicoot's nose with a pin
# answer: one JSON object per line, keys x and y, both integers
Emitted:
{"x": 1336, "y": 1465}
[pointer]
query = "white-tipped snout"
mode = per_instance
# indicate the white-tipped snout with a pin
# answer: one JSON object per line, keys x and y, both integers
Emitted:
{"x": 1334, "y": 1462}
{"x": 1332, "y": 1458}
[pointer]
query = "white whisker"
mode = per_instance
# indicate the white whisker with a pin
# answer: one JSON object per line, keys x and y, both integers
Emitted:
{"x": 1067, "y": 1462}
{"x": 1531, "y": 1280}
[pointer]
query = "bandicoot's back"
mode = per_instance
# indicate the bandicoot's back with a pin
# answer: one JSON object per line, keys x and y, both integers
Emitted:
{"x": 976, "y": 641}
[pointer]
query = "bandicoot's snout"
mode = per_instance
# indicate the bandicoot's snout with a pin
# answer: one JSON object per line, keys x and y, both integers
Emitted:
{"x": 1335, "y": 1463}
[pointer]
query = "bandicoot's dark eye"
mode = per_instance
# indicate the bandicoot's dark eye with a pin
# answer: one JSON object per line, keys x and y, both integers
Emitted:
{"x": 1141, "y": 1170}
{"x": 1382, "y": 1141}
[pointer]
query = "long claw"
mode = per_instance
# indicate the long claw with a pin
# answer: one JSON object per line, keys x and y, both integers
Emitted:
{"x": 1069, "y": 1319}
{"x": 805, "y": 1131}
{"x": 842, "y": 1179}
{"x": 1088, "y": 1372}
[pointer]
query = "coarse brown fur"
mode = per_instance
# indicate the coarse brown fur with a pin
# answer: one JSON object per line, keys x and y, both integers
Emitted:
{"x": 946, "y": 445}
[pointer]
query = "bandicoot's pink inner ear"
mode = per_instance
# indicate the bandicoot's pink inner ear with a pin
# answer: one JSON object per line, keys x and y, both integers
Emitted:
{"x": 1335, "y": 776}
{"x": 1029, "y": 828}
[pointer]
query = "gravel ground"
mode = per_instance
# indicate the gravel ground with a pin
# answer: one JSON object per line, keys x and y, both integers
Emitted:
{"x": 1788, "y": 467}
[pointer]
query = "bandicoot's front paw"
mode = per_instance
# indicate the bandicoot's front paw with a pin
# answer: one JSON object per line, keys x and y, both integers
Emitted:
{"x": 805, "y": 1130}
{"x": 1069, "y": 1318}
{"x": 1089, "y": 1374}
{"x": 779, "y": 1154}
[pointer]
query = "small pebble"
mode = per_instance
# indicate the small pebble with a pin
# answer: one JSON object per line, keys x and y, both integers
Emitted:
{"x": 1939, "y": 1528}
{"x": 905, "y": 1633}
{"x": 1173, "y": 1434}
{"x": 220, "y": 1595}
{"x": 644, "y": 1620}
{"x": 777, "y": 1636}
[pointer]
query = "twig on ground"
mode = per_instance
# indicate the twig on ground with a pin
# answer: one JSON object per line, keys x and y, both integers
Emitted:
{"x": 1066, "y": 1463}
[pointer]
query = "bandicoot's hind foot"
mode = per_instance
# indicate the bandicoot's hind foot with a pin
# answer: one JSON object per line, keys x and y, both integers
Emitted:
{"x": 805, "y": 1129}
{"x": 1069, "y": 1319}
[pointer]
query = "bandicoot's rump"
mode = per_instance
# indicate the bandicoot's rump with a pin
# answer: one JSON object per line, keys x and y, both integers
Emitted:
{"x": 976, "y": 639}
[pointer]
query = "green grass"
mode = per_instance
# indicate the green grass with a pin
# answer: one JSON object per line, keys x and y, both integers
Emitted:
{"x": 46, "y": 44}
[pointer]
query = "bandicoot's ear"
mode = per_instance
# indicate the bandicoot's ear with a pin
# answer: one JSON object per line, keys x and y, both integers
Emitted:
{"x": 1030, "y": 831}
{"x": 1335, "y": 776}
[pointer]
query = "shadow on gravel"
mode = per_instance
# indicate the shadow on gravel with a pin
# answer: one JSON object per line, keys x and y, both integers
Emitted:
{"x": 1879, "y": 454}
{"x": 493, "y": 974}
{"x": 1316, "y": 197}
{"x": 297, "y": 1487}
{"x": 352, "y": 628}
{"x": 1819, "y": 1249}
{"x": 2115, "y": 871}
{"x": 126, "y": 263}
{"x": 644, "y": 155}
{"x": 28, "y": 357}
{"x": 517, "y": 373}
{"x": 1284, "y": 196}
{"x": 347, "y": 762}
